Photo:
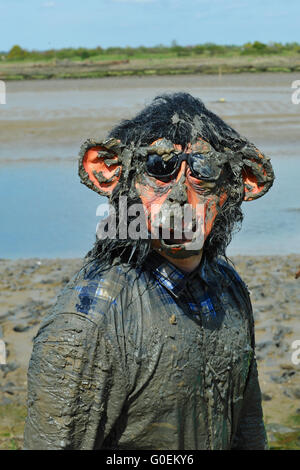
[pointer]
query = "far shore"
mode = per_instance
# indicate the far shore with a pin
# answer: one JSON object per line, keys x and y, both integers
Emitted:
{"x": 62, "y": 69}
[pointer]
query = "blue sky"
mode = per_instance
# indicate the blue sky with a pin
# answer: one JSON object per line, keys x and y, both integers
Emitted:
{"x": 45, "y": 24}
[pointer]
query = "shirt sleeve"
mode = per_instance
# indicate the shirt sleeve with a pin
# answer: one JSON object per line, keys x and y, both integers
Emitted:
{"x": 251, "y": 434}
{"x": 76, "y": 386}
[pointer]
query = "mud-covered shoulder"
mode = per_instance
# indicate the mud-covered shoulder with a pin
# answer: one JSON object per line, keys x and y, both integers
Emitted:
{"x": 231, "y": 273}
{"x": 233, "y": 278}
{"x": 91, "y": 299}
{"x": 93, "y": 294}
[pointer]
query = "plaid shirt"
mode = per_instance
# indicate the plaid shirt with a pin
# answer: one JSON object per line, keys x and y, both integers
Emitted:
{"x": 147, "y": 359}
{"x": 200, "y": 293}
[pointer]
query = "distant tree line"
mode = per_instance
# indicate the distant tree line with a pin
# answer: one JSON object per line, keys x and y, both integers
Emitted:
{"x": 207, "y": 49}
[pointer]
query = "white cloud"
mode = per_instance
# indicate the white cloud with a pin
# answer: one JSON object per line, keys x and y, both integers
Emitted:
{"x": 49, "y": 4}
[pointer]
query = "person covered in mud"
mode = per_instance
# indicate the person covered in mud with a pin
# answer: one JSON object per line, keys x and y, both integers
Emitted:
{"x": 151, "y": 344}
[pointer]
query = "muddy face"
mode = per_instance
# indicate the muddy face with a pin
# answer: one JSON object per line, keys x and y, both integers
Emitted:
{"x": 182, "y": 191}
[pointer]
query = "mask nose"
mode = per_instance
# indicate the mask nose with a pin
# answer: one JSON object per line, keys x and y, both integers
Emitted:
{"x": 178, "y": 193}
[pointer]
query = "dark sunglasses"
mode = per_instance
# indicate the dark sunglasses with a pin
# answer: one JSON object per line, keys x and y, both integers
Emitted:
{"x": 200, "y": 165}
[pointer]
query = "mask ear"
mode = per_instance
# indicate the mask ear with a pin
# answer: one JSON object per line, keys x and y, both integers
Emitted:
{"x": 99, "y": 165}
{"x": 257, "y": 173}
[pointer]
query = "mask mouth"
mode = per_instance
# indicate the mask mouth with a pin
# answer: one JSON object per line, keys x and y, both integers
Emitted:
{"x": 188, "y": 235}
{"x": 175, "y": 241}
{"x": 182, "y": 246}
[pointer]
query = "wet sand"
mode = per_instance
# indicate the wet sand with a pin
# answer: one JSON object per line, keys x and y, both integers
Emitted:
{"x": 28, "y": 289}
{"x": 51, "y": 118}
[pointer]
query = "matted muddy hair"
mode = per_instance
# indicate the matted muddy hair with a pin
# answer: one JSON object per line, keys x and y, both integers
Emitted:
{"x": 181, "y": 118}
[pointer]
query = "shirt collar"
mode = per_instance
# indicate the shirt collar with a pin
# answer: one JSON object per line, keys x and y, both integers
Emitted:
{"x": 175, "y": 280}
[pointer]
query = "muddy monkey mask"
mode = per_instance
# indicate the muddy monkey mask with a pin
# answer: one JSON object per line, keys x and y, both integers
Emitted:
{"x": 183, "y": 187}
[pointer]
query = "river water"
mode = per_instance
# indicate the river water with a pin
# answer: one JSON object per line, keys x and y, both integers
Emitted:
{"x": 46, "y": 212}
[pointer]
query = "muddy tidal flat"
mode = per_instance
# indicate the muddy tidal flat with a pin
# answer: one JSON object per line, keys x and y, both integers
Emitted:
{"x": 28, "y": 290}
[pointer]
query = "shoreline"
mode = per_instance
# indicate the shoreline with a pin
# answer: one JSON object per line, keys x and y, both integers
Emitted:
{"x": 145, "y": 73}
{"x": 29, "y": 288}
{"x": 18, "y": 71}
